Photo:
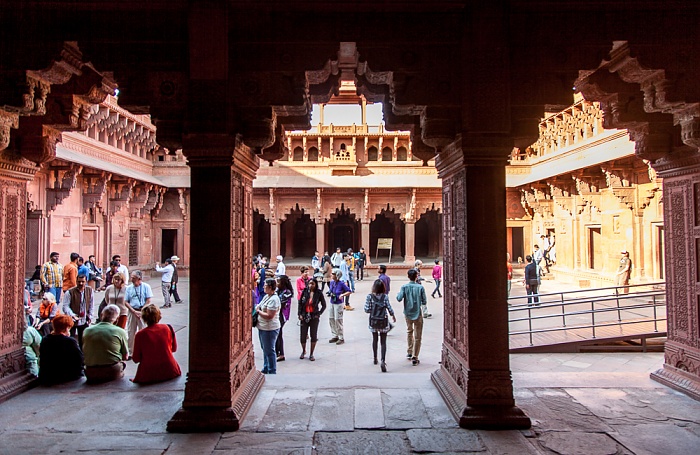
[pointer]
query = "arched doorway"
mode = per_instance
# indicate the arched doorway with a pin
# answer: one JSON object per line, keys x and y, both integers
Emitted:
{"x": 261, "y": 234}
{"x": 298, "y": 235}
{"x": 387, "y": 225}
{"x": 429, "y": 234}
{"x": 343, "y": 230}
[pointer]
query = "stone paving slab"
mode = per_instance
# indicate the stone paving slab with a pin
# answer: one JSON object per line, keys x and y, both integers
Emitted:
{"x": 245, "y": 443}
{"x": 574, "y": 415}
{"x": 404, "y": 409}
{"x": 333, "y": 411}
{"x": 580, "y": 443}
{"x": 289, "y": 411}
{"x": 362, "y": 442}
{"x": 616, "y": 406}
{"x": 444, "y": 440}
{"x": 507, "y": 443}
{"x": 655, "y": 439}
{"x": 438, "y": 413}
{"x": 258, "y": 409}
{"x": 369, "y": 411}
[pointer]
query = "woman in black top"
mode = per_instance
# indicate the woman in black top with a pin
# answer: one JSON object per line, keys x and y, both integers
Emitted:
{"x": 61, "y": 357}
{"x": 309, "y": 316}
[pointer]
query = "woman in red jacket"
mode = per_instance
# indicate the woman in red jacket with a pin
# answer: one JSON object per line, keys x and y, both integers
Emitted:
{"x": 153, "y": 349}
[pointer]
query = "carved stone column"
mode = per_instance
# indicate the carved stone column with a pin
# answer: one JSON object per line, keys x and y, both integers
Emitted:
{"x": 14, "y": 174}
{"x": 365, "y": 240}
{"x": 409, "y": 246}
{"x": 222, "y": 380}
{"x": 475, "y": 378}
{"x": 681, "y": 188}
{"x": 320, "y": 236}
{"x": 275, "y": 240}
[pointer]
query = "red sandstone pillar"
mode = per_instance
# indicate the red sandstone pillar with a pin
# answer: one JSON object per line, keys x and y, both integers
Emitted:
{"x": 681, "y": 369}
{"x": 14, "y": 174}
{"x": 320, "y": 236}
{"x": 409, "y": 247}
{"x": 274, "y": 239}
{"x": 365, "y": 241}
{"x": 474, "y": 377}
{"x": 222, "y": 380}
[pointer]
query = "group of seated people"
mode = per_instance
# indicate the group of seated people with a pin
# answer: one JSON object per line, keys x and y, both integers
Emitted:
{"x": 58, "y": 358}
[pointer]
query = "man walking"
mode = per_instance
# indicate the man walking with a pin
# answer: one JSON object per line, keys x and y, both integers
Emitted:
{"x": 52, "y": 276}
{"x": 381, "y": 272}
{"x": 413, "y": 296}
{"x": 70, "y": 272}
{"x": 166, "y": 281}
{"x": 175, "y": 280}
{"x": 532, "y": 281}
{"x": 437, "y": 276}
{"x": 78, "y": 302}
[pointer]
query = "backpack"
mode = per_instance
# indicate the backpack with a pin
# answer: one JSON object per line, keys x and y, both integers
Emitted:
{"x": 377, "y": 316}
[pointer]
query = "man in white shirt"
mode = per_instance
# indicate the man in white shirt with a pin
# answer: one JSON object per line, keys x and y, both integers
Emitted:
{"x": 166, "y": 280}
{"x": 281, "y": 268}
{"x": 122, "y": 268}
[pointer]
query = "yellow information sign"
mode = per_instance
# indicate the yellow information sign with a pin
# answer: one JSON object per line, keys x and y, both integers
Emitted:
{"x": 384, "y": 244}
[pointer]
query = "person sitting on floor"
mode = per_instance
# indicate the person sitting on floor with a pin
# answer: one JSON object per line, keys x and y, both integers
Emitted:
{"x": 153, "y": 349}
{"x": 61, "y": 357}
{"x": 105, "y": 348}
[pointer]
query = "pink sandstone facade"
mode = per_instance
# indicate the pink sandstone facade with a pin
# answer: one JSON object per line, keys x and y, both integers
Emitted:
{"x": 468, "y": 80}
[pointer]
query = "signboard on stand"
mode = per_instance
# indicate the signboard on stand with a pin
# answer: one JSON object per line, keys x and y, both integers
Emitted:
{"x": 384, "y": 244}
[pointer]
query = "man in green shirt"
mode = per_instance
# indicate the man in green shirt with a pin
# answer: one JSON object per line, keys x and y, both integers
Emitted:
{"x": 413, "y": 296}
{"x": 105, "y": 348}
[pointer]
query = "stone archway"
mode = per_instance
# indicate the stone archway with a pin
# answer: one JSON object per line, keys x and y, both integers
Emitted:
{"x": 466, "y": 99}
{"x": 298, "y": 235}
{"x": 387, "y": 224}
{"x": 429, "y": 234}
{"x": 261, "y": 234}
{"x": 343, "y": 230}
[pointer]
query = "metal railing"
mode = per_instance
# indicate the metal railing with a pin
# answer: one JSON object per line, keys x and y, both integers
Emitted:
{"x": 569, "y": 309}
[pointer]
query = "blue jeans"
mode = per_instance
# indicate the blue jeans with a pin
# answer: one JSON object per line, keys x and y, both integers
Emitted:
{"x": 268, "y": 338}
{"x": 351, "y": 279}
{"x": 56, "y": 291}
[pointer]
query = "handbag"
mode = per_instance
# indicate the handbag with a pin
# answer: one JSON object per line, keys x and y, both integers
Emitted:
{"x": 255, "y": 318}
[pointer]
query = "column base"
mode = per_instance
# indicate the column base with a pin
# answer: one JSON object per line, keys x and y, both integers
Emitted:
{"x": 409, "y": 260}
{"x": 477, "y": 417}
{"x": 207, "y": 419}
{"x": 17, "y": 379}
{"x": 677, "y": 379}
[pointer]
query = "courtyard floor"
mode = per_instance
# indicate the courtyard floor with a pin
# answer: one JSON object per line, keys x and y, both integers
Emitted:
{"x": 601, "y": 403}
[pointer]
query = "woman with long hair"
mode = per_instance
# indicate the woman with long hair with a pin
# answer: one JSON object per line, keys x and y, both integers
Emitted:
{"x": 377, "y": 305}
{"x": 284, "y": 292}
{"x": 312, "y": 304}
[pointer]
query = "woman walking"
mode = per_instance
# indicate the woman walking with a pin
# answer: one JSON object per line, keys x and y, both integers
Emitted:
{"x": 310, "y": 315}
{"x": 268, "y": 325}
{"x": 377, "y": 304}
{"x": 284, "y": 292}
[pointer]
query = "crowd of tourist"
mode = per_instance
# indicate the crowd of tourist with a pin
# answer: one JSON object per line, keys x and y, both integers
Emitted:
{"x": 64, "y": 341}
{"x": 272, "y": 298}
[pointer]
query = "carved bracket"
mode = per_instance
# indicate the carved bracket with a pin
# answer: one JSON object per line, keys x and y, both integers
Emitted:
{"x": 139, "y": 198}
{"x": 95, "y": 191}
{"x": 182, "y": 202}
{"x": 62, "y": 183}
{"x": 120, "y": 194}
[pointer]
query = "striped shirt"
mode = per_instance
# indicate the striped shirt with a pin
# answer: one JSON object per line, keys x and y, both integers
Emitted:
{"x": 52, "y": 274}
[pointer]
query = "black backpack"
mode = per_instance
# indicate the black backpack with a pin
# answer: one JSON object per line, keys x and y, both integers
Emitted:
{"x": 377, "y": 316}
